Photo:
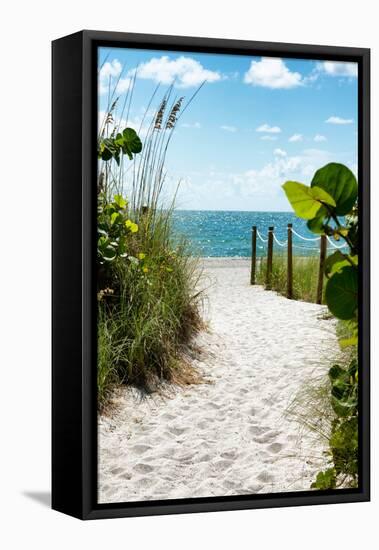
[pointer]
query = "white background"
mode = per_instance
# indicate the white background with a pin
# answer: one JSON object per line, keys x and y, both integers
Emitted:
{"x": 27, "y": 29}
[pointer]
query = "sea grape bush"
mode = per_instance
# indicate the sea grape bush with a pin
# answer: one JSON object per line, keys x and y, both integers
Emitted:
{"x": 333, "y": 194}
{"x": 115, "y": 231}
{"x": 114, "y": 226}
{"x": 128, "y": 143}
{"x": 329, "y": 205}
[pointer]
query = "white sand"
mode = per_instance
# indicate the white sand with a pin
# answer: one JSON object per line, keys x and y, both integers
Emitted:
{"x": 230, "y": 436}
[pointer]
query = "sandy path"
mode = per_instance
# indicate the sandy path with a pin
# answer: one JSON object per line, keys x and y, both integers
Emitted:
{"x": 229, "y": 436}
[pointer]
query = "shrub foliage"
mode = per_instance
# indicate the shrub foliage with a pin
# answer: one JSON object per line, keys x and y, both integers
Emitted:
{"x": 329, "y": 205}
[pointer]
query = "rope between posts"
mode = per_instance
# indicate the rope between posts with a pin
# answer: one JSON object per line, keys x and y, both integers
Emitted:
{"x": 261, "y": 238}
{"x": 304, "y": 238}
{"x": 278, "y": 242}
{"x": 344, "y": 245}
{"x": 313, "y": 239}
{"x": 267, "y": 246}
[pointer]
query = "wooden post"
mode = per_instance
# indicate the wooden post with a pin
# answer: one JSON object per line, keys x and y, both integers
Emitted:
{"x": 270, "y": 245}
{"x": 323, "y": 249}
{"x": 289, "y": 262}
{"x": 253, "y": 254}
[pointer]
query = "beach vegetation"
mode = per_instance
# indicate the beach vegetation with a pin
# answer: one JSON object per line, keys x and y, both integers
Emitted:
{"x": 148, "y": 283}
{"x": 333, "y": 194}
{"x": 305, "y": 275}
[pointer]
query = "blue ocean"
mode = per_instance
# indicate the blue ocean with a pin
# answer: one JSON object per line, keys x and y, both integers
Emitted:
{"x": 228, "y": 233}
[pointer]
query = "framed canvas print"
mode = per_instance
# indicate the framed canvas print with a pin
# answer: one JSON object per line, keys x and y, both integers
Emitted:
{"x": 210, "y": 274}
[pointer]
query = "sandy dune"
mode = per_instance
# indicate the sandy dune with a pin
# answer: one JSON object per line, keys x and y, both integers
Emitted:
{"x": 229, "y": 436}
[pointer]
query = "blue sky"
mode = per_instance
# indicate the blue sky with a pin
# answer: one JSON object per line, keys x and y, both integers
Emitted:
{"x": 256, "y": 122}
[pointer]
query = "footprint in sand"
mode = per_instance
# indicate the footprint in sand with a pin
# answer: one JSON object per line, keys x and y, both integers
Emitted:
{"x": 214, "y": 406}
{"x": 185, "y": 458}
{"x": 266, "y": 437}
{"x": 143, "y": 468}
{"x": 177, "y": 430}
{"x": 230, "y": 484}
{"x": 257, "y": 430}
{"x": 204, "y": 458}
{"x": 202, "y": 425}
{"x": 265, "y": 477}
{"x": 140, "y": 449}
{"x": 168, "y": 416}
{"x": 117, "y": 471}
{"x": 231, "y": 455}
{"x": 275, "y": 447}
{"x": 145, "y": 482}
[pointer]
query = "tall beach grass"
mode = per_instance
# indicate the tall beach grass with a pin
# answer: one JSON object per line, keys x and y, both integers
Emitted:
{"x": 152, "y": 311}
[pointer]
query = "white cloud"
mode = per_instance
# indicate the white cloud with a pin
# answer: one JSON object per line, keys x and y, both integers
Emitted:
{"x": 296, "y": 137}
{"x": 110, "y": 77}
{"x": 319, "y": 138}
{"x": 191, "y": 125}
{"x": 280, "y": 153}
{"x": 184, "y": 71}
{"x": 339, "y": 120}
{"x": 259, "y": 188}
{"x": 112, "y": 68}
{"x": 228, "y": 128}
{"x": 269, "y": 138}
{"x": 267, "y": 181}
{"x": 269, "y": 129}
{"x": 123, "y": 85}
{"x": 272, "y": 72}
{"x": 338, "y": 68}
{"x": 341, "y": 69}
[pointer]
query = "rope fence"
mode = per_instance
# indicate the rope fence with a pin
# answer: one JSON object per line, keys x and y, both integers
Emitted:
{"x": 268, "y": 243}
{"x": 260, "y": 237}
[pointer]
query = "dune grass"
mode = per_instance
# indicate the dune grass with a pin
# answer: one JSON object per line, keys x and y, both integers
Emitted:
{"x": 317, "y": 412}
{"x": 305, "y": 276}
{"x": 149, "y": 300}
{"x": 143, "y": 328}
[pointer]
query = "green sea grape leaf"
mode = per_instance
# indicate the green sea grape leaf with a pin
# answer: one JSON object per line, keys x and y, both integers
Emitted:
{"x": 341, "y": 293}
{"x": 131, "y": 143}
{"x": 335, "y": 372}
{"x": 306, "y": 201}
{"x": 119, "y": 140}
{"x": 106, "y": 154}
{"x": 115, "y": 217}
{"x": 109, "y": 254}
{"x": 316, "y": 225}
{"x": 339, "y": 182}
{"x": 346, "y": 342}
{"x": 343, "y": 408}
{"x": 335, "y": 262}
{"x": 120, "y": 201}
{"x": 325, "y": 480}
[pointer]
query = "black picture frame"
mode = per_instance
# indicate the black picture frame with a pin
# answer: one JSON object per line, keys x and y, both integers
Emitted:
{"x": 74, "y": 410}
